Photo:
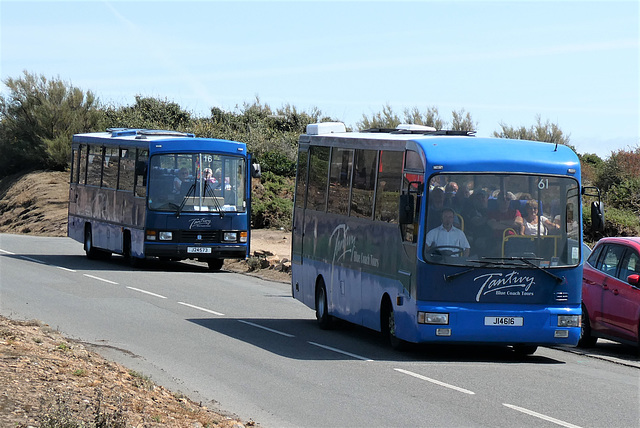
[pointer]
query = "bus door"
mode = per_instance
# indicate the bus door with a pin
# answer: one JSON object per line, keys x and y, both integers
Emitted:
{"x": 410, "y": 202}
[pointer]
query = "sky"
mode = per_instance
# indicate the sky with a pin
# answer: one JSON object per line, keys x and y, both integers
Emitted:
{"x": 571, "y": 63}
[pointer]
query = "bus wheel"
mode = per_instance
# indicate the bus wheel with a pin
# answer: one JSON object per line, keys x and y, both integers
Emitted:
{"x": 90, "y": 250}
{"x": 134, "y": 262}
{"x": 523, "y": 350}
{"x": 215, "y": 264}
{"x": 586, "y": 339}
{"x": 322, "y": 312}
{"x": 388, "y": 325}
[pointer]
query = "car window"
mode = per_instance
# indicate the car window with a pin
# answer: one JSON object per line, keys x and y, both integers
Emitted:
{"x": 630, "y": 265}
{"x": 610, "y": 260}
{"x": 593, "y": 257}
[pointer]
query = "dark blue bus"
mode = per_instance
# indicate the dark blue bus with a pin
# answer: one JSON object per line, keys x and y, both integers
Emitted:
{"x": 153, "y": 193}
{"x": 439, "y": 236}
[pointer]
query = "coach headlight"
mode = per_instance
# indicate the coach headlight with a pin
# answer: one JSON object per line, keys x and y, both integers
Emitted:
{"x": 433, "y": 318}
{"x": 568, "y": 320}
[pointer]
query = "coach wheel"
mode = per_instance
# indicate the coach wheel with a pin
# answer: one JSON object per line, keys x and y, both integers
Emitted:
{"x": 586, "y": 339}
{"x": 322, "y": 311}
{"x": 215, "y": 264}
{"x": 388, "y": 320}
{"x": 447, "y": 250}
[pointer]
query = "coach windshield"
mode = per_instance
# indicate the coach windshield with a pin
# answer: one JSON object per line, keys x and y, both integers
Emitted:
{"x": 503, "y": 219}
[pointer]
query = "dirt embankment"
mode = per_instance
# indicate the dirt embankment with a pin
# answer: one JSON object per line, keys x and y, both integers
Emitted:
{"x": 48, "y": 380}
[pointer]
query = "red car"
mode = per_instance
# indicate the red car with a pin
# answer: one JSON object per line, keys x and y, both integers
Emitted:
{"x": 611, "y": 292}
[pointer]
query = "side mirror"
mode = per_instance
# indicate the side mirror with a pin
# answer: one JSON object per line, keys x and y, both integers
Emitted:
{"x": 406, "y": 209}
{"x": 633, "y": 279}
{"x": 256, "y": 172}
{"x": 597, "y": 216}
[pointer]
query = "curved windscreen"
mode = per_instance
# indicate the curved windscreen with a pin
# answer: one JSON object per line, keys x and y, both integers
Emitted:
{"x": 503, "y": 219}
{"x": 197, "y": 182}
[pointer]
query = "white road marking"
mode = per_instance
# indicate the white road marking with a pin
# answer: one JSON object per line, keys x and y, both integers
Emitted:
{"x": 541, "y": 416}
{"x": 437, "y": 382}
{"x": 339, "y": 351}
{"x": 147, "y": 292}
{"x": 33, "y": 260}
{"x": 7, "y": 252}
{"x": 67, "y": 269}
{"x": 201, "y": 309}
{"x": 100, "y": 279}
{"x": 266, "y": 328}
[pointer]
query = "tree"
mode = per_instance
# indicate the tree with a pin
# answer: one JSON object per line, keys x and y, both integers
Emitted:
{"x": 148, "y": 113}
{"x": 429, "y": 118}
{"x": 384, "y": 119}
{"x": 462, "y": 121}
{"x": 37, "y": 120}
{"x": 547, "y": 132}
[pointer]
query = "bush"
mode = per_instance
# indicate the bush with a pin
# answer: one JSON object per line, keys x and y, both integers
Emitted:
{"x": 272, "y": 203}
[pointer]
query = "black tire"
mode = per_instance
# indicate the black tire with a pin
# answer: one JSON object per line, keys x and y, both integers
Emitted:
{"x": 134, "y": 262}
{"x": 388, "y": 326}
{"x": 325, "y": 321}
{"x": 89, "y": 249}
{"x": 215, "y": 264}
{"x": 586, "y": 339}
{"x": 524, "y": 350}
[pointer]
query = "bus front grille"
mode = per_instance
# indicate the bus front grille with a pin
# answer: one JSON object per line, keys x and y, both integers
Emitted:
{"x": 188, "y": 236}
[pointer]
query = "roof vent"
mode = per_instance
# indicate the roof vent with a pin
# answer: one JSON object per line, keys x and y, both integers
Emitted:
{"x": 326, "y": 128}
{"x": 413, "y": 127}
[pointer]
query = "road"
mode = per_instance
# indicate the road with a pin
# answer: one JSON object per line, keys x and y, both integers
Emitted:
{"x": 245, "y": 343}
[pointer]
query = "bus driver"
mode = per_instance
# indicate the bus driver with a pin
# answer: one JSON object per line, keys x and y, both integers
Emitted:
{"x": 448, "y": 238}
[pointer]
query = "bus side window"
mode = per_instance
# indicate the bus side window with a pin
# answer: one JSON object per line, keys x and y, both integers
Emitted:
{"x": 82, "y": 168}
{"x": 94, "y": 169}
{"x": 110, "y": 172}
{"x": 127, "y": 162}
{"x": 141, "y": 173}
{"x": 388, "y": 186}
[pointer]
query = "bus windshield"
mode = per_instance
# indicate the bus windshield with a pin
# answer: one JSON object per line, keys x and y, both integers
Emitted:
{"x": 503, "y": 220}
{"x": 197, "y": 182}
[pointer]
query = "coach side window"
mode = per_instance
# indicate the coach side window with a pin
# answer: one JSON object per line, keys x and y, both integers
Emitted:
{"x": 340, "y": 181}
{"x": 364, "y": 178}
{"x": 388, "y": 186}
{"x": 318, "y": 173}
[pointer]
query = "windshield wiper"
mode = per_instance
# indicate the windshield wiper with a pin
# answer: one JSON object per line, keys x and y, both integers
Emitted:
{"x": 212, "y": 195}
{"x": 527, "y": 261}
{"x": 184, "y": 199}
{"x": 485, "y": 262}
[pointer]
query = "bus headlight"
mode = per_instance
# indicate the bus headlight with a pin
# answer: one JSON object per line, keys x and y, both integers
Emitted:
{"x": 433, "y": 318}
{"x": 568, "y": 320}
{"x": 230, "y": 237}
{"x": 165, "y": 236}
